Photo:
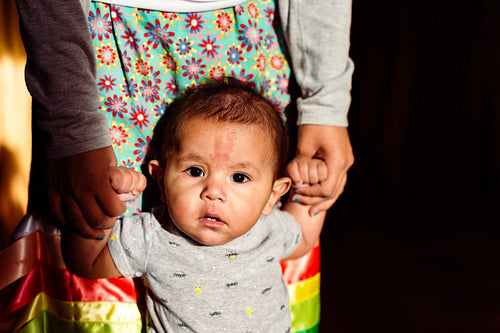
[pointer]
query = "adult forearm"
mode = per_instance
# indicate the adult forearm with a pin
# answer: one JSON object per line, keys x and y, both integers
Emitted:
{"x": 320, "y": 57}
{"x": 61, "y": 76}
{"x": 87, "y": 258}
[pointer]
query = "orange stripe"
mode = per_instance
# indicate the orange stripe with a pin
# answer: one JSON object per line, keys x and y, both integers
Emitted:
{"x": 62, "y": 285}
{"x": 24, "y": 254}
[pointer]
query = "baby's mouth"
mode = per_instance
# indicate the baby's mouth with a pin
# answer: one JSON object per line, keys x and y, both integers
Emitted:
{"x": 212, "y": 222}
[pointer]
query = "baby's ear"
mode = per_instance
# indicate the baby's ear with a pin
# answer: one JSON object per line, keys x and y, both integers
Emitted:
{"x": 157, "y": 173}
{"x": 280, "y": 187}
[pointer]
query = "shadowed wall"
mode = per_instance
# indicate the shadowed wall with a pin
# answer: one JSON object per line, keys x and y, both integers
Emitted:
{"x": 15, "y": 122}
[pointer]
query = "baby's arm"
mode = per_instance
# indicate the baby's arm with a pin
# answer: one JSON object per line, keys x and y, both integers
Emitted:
{"x": 91, "y": 258}
{"x": 306, "y": 173}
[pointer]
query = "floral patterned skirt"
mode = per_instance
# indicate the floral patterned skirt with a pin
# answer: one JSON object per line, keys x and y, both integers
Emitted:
{"x": 146, "y": 58}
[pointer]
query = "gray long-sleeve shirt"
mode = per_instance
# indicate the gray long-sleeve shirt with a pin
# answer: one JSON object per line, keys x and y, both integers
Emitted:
{"x": 61, "y": 69}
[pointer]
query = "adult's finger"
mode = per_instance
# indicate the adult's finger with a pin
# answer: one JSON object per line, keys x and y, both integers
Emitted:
{"x": 327, "y": 203}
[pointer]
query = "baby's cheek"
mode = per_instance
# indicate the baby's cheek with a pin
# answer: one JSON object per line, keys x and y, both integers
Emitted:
{"x": 180, "y": 205}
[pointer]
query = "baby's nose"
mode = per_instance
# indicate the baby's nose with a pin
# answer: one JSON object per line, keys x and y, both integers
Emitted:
{"x": 213, "y": 190}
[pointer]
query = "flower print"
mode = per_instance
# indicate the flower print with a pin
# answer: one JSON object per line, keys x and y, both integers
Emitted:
{"x": 130, "y": 37}
{"x": 170, "y": 17}
{"x": 159, "y": 109}
{"x": 195, "y": 23}
{"x": 143, "y": 68}
{"x": 137, "y": 17}
{"x": 269, "y": 15}
{"x": 279, "y": 104}
{"x": 106, "y": 83}
{"x": 149, "y": 90}
{"x": 250, "y": 35}
{"x": 209, "y": 48}
{"x": 253, "y": 11}
{"x": 156, "y": 77}
{"x": 277, "y": 62}
{"x": 166, "y": 61}
{"x": 116, "y": 14}
{"x": 224, "y": 23}
{"x": 217, "y": 71}
{"x": 131, "y": 89}
{"x": 243, "y": 77}
{"x": 106, "y": 56}
{"x": 146, "y": 51}
{"x": 140, "y": 116}
{"x": 270, "y": 42}
{"x": 282, "y": 82}
{"x": 191, "y": 85}
{"x": 183, "y": 47}
{"x": 158, "y": 34}
{"x": 193, "y": 69}
{"x": 171, "y": 87}
{"x": 133, "y": 207}
{"x": 260, "y": 64}
{"x": 129, "y": 164}
{"x": 116, "y": 105}
{"x": 119, "y": 135}
{"x": 126, "y": 61}
{"x": 99, "y": 25}
{"x": 142, "y": 148}
{"x": 235, "y": 55}
{"x": 238, "y": 9}
{"x": 265, "y": 85}
{"x": 117, "y": 21}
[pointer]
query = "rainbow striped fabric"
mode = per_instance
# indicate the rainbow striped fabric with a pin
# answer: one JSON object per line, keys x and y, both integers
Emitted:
{"x": 38, "y": 293}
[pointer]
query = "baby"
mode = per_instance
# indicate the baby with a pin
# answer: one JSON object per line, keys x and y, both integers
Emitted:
{"x": 210, "y": 255}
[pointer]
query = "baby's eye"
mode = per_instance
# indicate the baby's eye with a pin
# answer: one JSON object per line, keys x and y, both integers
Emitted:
{"x": 240, "y": 178}
{"x": 195, "y": 172}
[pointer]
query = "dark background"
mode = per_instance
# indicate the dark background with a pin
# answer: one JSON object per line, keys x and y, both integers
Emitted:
{"x": 413, "y": 244}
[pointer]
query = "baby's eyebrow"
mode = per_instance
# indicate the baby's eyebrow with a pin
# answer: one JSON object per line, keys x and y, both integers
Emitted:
{"x": 246, "y": 166}
{"x": 189, "y": 157}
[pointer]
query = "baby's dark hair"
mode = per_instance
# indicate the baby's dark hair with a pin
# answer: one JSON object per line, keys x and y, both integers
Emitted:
{"x": 226, "y": 100}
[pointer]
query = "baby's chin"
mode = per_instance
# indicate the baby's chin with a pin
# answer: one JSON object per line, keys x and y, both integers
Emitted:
{"x": 212, "y": 241}
{"x": 209, "y": 238}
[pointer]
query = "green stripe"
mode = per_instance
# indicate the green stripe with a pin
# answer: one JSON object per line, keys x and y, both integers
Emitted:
{"x": 46, "y": 322}
{"x": 305, "y": 319}
{"x": 305, "y": 314}
{"x": 314, "y": 329}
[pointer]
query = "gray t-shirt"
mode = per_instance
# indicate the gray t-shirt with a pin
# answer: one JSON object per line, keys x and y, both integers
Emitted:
{"x": 235, "y": 287}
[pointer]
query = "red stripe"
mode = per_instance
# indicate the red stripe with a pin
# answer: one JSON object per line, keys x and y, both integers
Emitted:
{"x": 64, "y": 286}
{"x": 302, "y": 268}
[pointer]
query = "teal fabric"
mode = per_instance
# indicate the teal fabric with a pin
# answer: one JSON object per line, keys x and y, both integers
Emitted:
{"x": 145, "y": 59}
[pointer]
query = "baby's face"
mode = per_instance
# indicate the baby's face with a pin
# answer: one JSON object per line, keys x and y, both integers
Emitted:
{"x": 221, "y": 180}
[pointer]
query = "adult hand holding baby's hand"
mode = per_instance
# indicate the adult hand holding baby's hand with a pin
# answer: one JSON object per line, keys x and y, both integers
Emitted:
{"x": 330, "y": 144}
{"x": 80, "y": 194}
{"x": 127, "y": 183}
{"x": 307, "y": 175}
